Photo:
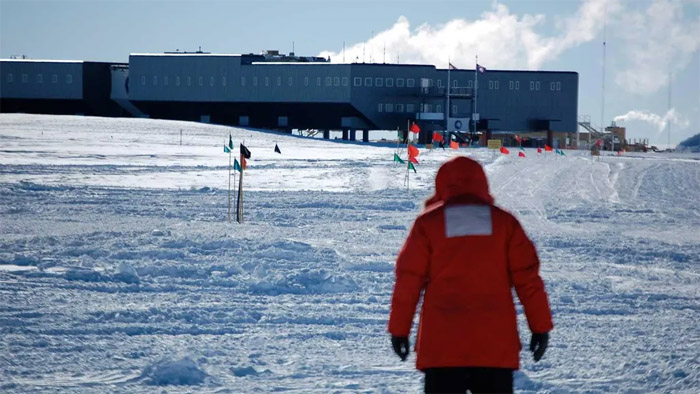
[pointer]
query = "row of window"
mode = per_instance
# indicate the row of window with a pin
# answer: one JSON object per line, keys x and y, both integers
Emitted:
{"x": 422, "y": 107}
{"x": 39, "y": 78}
{"x": 388, "y": 82}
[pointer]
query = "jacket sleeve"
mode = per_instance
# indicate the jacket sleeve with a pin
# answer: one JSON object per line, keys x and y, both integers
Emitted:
{"x": 524, "y": 267}
{"x": 411, "y": 274}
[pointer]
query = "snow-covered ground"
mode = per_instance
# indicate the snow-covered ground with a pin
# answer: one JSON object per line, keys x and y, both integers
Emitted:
{"x": 120, "y": 273}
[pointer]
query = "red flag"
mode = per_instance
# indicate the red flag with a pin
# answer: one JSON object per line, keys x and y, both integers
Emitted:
{"x": 243, "y": 162}
{"x": 517, "y": 138}
{"x": 437, "y": 136}
{"x": 504, "y": 150}
{"x": 521, "y": 154}
{"x": 619, "y": 153}
{"x": 454, "y": 145}
{"x": 547, "y": 148}
{"x": 414, "y": 128}
{"x": 599, "y": 142}
{"x": 539, "y": 150}
{"x": 413, "y": 151}
{"x": 413, "y": 159}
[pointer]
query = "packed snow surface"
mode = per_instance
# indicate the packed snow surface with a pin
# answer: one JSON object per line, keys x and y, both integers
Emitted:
{"x": 119, "y": 271}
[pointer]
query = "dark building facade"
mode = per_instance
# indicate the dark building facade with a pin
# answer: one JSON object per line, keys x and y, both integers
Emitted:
{"x": 301, "y": 93}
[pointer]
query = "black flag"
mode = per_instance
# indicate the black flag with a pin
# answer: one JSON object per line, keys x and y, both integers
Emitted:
{"x": 277, "y": 149}
{"x": 245, "y": 152}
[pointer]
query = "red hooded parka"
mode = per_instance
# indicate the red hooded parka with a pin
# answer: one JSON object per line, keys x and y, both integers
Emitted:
{"x": 466, "y": 255}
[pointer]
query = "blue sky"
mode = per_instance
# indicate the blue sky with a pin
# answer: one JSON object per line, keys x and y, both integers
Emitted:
{"x": 647, "y": 41}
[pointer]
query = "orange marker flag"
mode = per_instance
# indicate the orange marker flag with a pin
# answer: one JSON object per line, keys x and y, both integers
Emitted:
{"x": 539, "y": 150}
{"x": 547, "y": 148}
{"x": 413, "y": 151}
{"x": 454, "y": 145}
{"x": 504, "y": 150}
{"x": 415, "y": 129}
{"x": 521, "y": 154}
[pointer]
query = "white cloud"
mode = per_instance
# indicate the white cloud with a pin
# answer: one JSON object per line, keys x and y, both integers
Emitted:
{"x": 654, "y": 42}
{"x": 500, "y": 38}
{"x": 659, "y": 121}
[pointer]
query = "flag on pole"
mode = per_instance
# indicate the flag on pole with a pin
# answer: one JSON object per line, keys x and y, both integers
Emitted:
{"x": 504, "y": 150}
{"x": 414, "y": 128}
{"x": 452, "y": 67}
{"x": 413, "y": 151}
{"x": 522, "y": 149}
{"x": 244, "y": 163}
{"x": 277, "y": 149}
{"x": 517, "y": 138}
{"x": 397, "y": 159}
{"x": 413, "y": 159}
{"x": 226, "y": 149}
{"x": 521, "y": 154}
{"x": 454, "y": 145}
{"x": 245, "y": 152}
{"x": 561, "y": 152}
{"x": 547, "y": 148}
{"x": 437, "y": 136}
{"x": 539, "y": 150}
{"x": 557, "y": 151}
{"x": 411, "y": 167}
{"x": 480, "y": 69}
{"x": 230, "y": 142}
{"x": 236, "y": 165}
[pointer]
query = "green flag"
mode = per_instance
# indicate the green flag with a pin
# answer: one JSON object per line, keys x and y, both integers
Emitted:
{"x": 230, "y": 142}
{"x": 411, "y": 167}
{"x": 561, "y": 152}
{"x": 226, "y": 149}
{"x": 397, "y": 159}
{"x": 522, "y": 149}
{"x": 236, "y": 165}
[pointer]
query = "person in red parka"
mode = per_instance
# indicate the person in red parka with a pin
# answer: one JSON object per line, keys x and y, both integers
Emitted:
{"x": 465, "y": 255}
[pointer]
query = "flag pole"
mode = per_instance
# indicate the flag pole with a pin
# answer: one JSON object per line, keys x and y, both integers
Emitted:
{"x": 239, "y": 202}
{"x": 229, "y": 185}
{"x": 447, "y": 109}
{"x": 476, "y": 86}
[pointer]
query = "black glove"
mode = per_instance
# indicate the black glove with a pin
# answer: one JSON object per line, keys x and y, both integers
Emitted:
{"x": 538, "y": 344}
{"x": 401, "y": 346}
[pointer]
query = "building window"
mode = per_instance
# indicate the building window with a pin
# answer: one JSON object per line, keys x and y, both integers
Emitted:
{"x": 279, "y": 81}
{"x": 517, "y": 85}
{"x": 211, "y": 81}
{"x": 201, "y": 81}
{"x": 290, "y": 80}
{"x": 399, "y": 82}
{"x": 328, "y": 81}
{"x": 344, "y": 81}
{"x": 40, "y": 78}
{"x": 267, "y": 81}
{"x": 69, "y": 78}
{"x": 318, "y": 81}
{"x": 357, "y": 81}
{"x": 532, "y": 85}
{"x": 552, "y": 86}
{"x": 336, "y": 81}
{"x": 428, "y": 108}
{"x": 223, "y": 81}
{"x": 25, "y": 78}
{"x": 242, "y": 81}
{"x": 454, "y": 83}
{"x": 9, "y": 78}
{"x": 439, "y": 83}
{"x": 189, "y": 81}
{"x": 54, "y": 78}
{"x": 378, "y": 82}
{"x": 368, "y": 81}
{"x": 410, "y": 82}
{"x": 165, "y": 80}
{"x": 380, "y": 108}
{"x": 306, "y": 81}
{"x": 438, "y": 108}
{"x": 469, "y": 84}
{"x": 558, "y": 85}
{"x": 255, "y": 81}
{"x": 496, "y": 84}
{"x": 177, "y": 81}
{"x": 510, "y": 85}
{"x": 399, "y": 107}
{"x": 410, "y": 108}
{"x": 389, "y": 107}
{"x": 537, "y": 85}
{"x": 490, "y": 84}
{"x": 390, "y": 82}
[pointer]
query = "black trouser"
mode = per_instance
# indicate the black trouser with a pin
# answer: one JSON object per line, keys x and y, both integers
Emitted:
{"x": 474, "y": 379}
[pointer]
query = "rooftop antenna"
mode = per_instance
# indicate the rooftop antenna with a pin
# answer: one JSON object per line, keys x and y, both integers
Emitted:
{"x": 292, "y": 54}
